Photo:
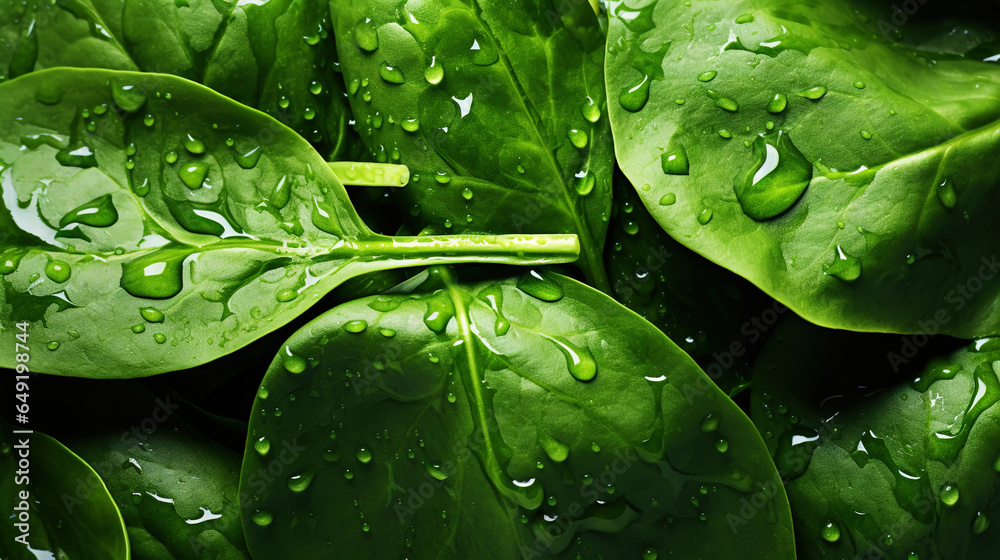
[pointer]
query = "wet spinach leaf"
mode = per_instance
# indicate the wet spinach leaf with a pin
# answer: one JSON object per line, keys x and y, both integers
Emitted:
{"x": 888, "y": 442}
{"x": 529, "y": 417}
{"x": 150, "y": 224}
{"x": 498, "y": 109}
{"x": 849, "y": 177}
{"x": 68, "y": 512}
{"x": 277, "y": 56}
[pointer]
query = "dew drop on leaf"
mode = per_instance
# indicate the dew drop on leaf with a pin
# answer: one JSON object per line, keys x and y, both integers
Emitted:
{"x": 830, "y": 532}
{"x": 152, "y": 314}
{"x": 262, "y": 446}
{"x": 775, "y": 181}
{"x": 262, "y": 517}
{"x": 777, "y": 104}
{"x": 541, "y": 285}
{"x": 58, "y": 271}
{"x": 366, "y": 36}
{"x": 300, "y": 482}
{"x": 675, "y": 161}
{"x": 845, "y": 267}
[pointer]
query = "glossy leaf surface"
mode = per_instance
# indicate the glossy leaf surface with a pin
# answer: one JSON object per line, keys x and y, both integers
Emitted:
{"x": 148, "y": 229}
{"x": 849, "y": 177}
{"x": 888, "y": 442}
{"x": 529, "y": 417}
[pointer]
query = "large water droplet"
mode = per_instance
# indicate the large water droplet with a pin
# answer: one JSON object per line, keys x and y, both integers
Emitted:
{"x": 366, "y": 36}
{"x": 777, "y": 179}
{"x": 262, "y": 517}
{"x": 949, "y": 495}
{"x": 634, "y": 98}
{"x": 845, "y": 267}
{"x": 299, "y": 482}
{"x": 434, "y": 73}
{"x": 58, "y": 271}
{"x": 128, "y": 97}
{"x": 193, "y": 174}
{"x": 675, "y": 161}
{"x": 541, "y": 285}
{"x": 152, "y": 314}
{"x": 777, "y": 104}
{"x": 493, "y": 296}
{"x": 830, "y": 532}
{"x": 555, "y": 449}
{"x": 391, "y": 74}
{"x": 154, "y": 276}
{"x": 579, "y": 360}
{"x": 262, "y": 446}
{"x": 249, "y": 159}
{"x": 947, "y": 195}
{"x": 100, "y": 212}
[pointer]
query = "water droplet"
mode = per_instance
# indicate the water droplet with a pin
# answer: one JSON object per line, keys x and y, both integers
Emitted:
{"x": 54, "y": 345}
{"x": 541, "y": 285}
{"x": 315, "y": 88}
{"x": 81, "y": 156}
{"x": 391, "y": 74}
{"x": 152, "y": 314}
{"x": 947, "y": 195}
{"x": 634, "y": 98}
{"x": 262, "y": 393}
{"x": 591, "y": 110}
{"x": 668, "y": 199}
{"x": 262, "y": 446}
{"x": 866, "y": 135}
{"x": 675, "y": 161}
{"x": 434, "y": 73}
{"x": 299, "y": 482}
{"x": 440, "y": 311}
{"x": 193, "y": 174}
{"x": 980, "y": 524}
{"x": 859, "y": 85}
{"x": 293, "y": 362}
{"x": 585, "y": 184}
{"x": 357, "y": 326}
{"x": 262, "y": 517}
{"x": 364, "y": 455}
{"x": 949, "y": 495}
{"x": 493, "y": 296}
{"x": 710, "y": 423}
{"x": 366, "y": 36}
{"x": 467, "y": 193}
{"x": 128, "y": 97}
{"x": 100, "y": 212}
{"x": 160, "y": 338}
{"x": 579, "y": 360}
{"x": 845, "y": 267}
{"x": 249, "y": 159}
{"x": 649, "y": 554}
{"x": 410, "y": 125}
{"x": 722, "y": 445}
{"x": 707, "y": 76}
{"x": 814, "y": 93}
{"x": 725, "y": 134}
{"x": 775, "y": 181}
{"x": 193, "y": 145}
{"x": 281, "y": 193}
{"x": 777, "y": 104}
{"x": 705, "y": 216}
{"x": 58, "y": 271}
{"x": 436, "y": 471}
{"x": 830, "y": 532}
{"x": 744, "y": 18}
{"x": 578, "y": 138}
{"x": 723, "y": 102}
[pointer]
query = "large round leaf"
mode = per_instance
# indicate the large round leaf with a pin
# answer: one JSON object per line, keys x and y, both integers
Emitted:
{"x": 530, "y": 417}
{"x": 150, "y": 224}
{"x": 796, "y": 145}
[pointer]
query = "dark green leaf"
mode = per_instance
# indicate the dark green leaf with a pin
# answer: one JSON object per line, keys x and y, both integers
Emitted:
{"x": 211, "y": 248}
{"x": 852, "y": 179}
{"x": 277, "y": 56}
{"x": 888, "y": 442}
{"x": 66, "y": 510}
{"x": 531, "y": 417}
{"x": 497, "y": 108}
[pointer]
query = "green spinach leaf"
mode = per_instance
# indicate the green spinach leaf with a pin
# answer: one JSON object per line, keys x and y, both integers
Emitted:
{"x": 68, "y": 512}
{"x": 150, "y": 224}
{"x": 792, "y": 143}
{"x": 529, "y": 417}
{"x": 888, "y": 442}
{"x": 277, "y": 56}
{"x": 498, "y": 109}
